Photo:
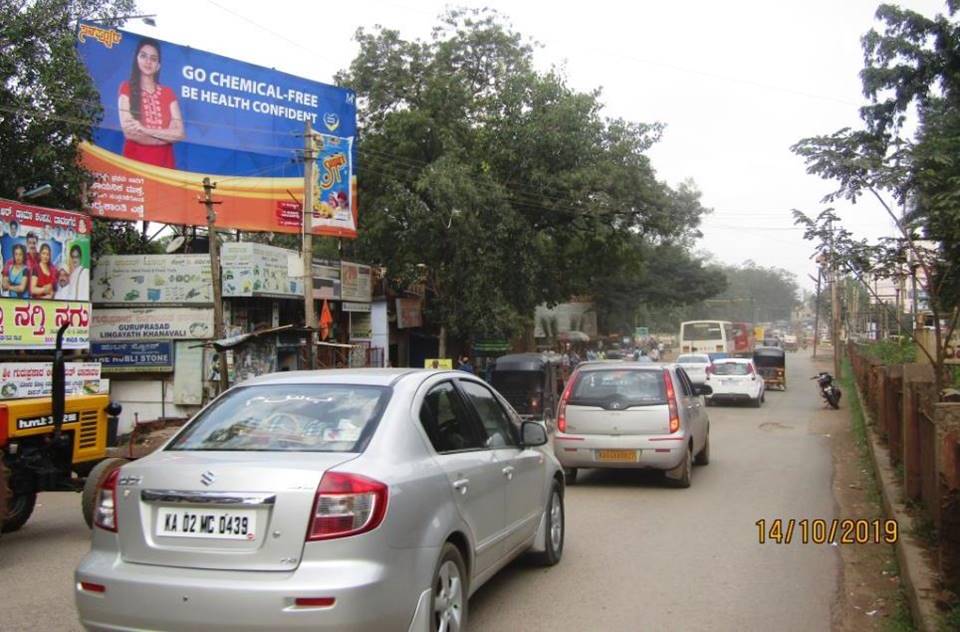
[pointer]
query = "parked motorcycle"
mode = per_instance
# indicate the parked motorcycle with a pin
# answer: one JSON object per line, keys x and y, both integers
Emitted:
{"x": 828, "y": 390}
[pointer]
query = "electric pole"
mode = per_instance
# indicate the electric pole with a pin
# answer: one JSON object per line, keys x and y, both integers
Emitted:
{"x": 835, "y": 305}
{"x": 218, "y": 332}
{"x": 309, "y": 313}
{"x": 816, "y": 313}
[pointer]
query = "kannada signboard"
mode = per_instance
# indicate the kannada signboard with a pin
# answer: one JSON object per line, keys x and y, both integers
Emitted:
{"x": 355, "y": 282}
{"x": 213, "y": 116}
{"x": 45, "y": 252}
{"x": 34, "y": 379}
{"x": 251, "y": 269}
{"x": 151, "y": 323}
{"x": 26, "y": 324}
{"x": 152, "y": 279}
{"x": 134, "y": 357}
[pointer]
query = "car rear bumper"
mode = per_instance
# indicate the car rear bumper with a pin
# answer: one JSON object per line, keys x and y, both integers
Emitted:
{"x": 734, "y": 393}
{"x": 369, "y": 595}
{"x": 660, "y": 452}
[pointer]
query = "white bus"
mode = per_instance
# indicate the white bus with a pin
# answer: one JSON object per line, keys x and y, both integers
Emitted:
{"x": 706, "y": 336}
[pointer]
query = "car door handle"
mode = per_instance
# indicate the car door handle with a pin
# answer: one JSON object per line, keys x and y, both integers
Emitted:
{"x": 461, "y": 485}
{"x": 508, "y": 472}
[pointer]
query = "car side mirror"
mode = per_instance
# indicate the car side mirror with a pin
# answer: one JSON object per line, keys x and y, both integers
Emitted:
{"x": 533, "y": 434}
{"x": 702, "y": 389}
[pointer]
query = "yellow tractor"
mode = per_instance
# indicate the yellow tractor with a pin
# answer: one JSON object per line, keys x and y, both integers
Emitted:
{"x": 54, "y": 444}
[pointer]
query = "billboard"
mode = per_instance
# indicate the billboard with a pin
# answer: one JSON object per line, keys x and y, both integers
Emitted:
{"x": 26, "y": 324}
{"x": 174, "y": 114}
{"x": 134, "y": 357}
{"x": 151, "y": 323}
{"x": 45, "y": 251}
{"x": 148, "y": 279}
{"x": 355, "y": 282}
{"x": 252, "y": 269}
{"x": 326, "y": 279}
{"x": 34, "y": 379}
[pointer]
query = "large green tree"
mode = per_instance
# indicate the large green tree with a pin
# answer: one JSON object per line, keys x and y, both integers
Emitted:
{"x": 500, "y": 186}
{"x": 48, "y": 104}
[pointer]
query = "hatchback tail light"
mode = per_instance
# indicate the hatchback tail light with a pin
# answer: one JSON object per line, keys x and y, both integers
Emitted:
{"x": 562, "y": 406}
{"x": 105, "y": 512}
{"x": 671, "y": 402}
{"x": 345, "y": 505}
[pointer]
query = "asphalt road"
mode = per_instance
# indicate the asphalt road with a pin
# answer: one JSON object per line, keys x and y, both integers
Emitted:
{"x": 639, "y": 555}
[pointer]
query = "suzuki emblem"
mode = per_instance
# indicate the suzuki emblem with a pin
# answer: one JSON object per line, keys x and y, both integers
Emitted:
{"x": 207, "y": 478}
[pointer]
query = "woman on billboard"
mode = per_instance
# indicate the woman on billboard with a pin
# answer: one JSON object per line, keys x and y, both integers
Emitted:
{"x": 16, "y": 274}
{"x": 149, "y": 112}
{"x": 44, "y": 279}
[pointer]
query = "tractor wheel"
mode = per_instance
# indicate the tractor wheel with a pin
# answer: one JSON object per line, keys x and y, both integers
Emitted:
{"x": 19, "y": 508}
{"x": 98, "y": 474}
{"x": 4, "y": 492}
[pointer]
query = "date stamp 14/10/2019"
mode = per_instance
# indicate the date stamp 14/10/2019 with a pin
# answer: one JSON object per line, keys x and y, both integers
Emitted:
{"x": 833, "y": 531}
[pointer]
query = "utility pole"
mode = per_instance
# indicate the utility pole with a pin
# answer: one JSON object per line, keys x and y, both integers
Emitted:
{"x": 835, "y": 305}
{"x": 309, "y": 313}
{"x": 218, "y": 332}
{"x": 816, "y": 313}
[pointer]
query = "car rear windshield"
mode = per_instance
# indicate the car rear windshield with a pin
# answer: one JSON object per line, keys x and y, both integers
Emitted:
{"x": 702, "y": 331}
{"x": 731, "y": 368}
{"x": 693, "y": 359}
{"x": 637, "y": 387}
{"x": 287, "y": 418}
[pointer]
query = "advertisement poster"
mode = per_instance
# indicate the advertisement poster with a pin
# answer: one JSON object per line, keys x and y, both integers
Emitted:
{"x": 34, "y": 379}
{"x": 409, "y": 313}
{"x": 251, "y": 269}
{"x": 28, "y": 324}
{"x": 209, "y": 115}
{"x": 46, "y": 253}
{"x": 151, "y": 323}
{"x": 326, "y": 280}
{"x": 361, "y": 326}
{"x": 134, "y": 357}
{"x": 146, "y": 279}
{"x": 355, "y": 282}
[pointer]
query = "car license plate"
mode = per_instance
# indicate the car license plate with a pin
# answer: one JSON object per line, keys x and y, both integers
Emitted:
{"x": 629, "y": 456}
{"x": 221, "y": 524}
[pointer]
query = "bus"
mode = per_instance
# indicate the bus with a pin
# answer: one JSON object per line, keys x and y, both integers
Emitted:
{"x": 706, "y": 336}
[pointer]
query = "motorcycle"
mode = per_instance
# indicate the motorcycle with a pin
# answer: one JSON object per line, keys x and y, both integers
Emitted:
{"x": 828, "y": 391}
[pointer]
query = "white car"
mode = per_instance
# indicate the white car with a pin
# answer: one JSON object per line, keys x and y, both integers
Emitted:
{"x": 735, "y": 380}
{"x": 696, "y": 366}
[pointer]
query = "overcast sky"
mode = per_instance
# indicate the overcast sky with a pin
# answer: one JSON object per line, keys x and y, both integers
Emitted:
{"x": 735, "y": 82}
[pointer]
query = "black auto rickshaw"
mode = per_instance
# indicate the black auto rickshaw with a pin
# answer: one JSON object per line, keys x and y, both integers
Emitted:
{"x": 532, "y": 383}
{"x": 771, "y": 365}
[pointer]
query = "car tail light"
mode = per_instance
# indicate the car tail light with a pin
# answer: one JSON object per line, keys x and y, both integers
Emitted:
{"x": 4, "y": 430}
{"x": 91, "y": 587}
{"x": 562, "y": 406}
{"x": 314, "y": 602}
{"x": 345, "y": 505}
{"x": 105, "y": 512}
{"x": 534, "y": 403}
{"x": 671, "y": 402}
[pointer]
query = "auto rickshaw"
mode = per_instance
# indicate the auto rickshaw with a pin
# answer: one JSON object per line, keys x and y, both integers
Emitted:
{"x": 771, "y": 365}
{"x": 532, "y": 383}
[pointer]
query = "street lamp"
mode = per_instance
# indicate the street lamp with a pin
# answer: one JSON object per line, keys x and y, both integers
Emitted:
{"x": 29, "y": 194}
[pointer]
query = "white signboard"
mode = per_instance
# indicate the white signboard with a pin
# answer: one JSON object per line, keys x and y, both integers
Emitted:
{"x": 151, "y": 323}
{"x": 355, "y": 282}
{"x": 355, "y": 307}
{"x": 35, "y": 379}
{"x": 326, "y": 280}
{"x": 251, "y": 269}
{"x": 152, "y": 279}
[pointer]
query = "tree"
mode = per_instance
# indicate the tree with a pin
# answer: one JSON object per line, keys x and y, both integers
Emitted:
{"x": 500, "y": 186}
{"x": 48, "y": 104}
{"x": 911, "y": 66}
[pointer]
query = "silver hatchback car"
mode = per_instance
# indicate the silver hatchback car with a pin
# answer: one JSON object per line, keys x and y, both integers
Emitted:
{"x": 633, "y": 415}
{"x": 333, "y": 500}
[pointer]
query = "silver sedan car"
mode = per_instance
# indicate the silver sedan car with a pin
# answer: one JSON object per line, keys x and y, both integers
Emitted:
{"x": 633, "y": 415}
{"x": 332, "y": 500}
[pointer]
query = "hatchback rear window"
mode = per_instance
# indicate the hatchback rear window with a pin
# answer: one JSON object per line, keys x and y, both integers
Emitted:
{"x": 691, "y": 359}
{"x": 287, "y": 418}
{"x": 637, "y": 387}
{"x": 732, "y": 368}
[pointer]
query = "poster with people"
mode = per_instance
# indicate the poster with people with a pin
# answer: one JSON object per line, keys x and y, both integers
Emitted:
{"x": 46, "y": 253}
{"x": 173, "y": 114}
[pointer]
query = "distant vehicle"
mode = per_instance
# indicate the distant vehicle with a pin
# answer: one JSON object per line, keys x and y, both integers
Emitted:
{"x": 790, "y": 343}
{"x": 696, "y": 365}
{"x": 735, "y": 380}
{"x": 706, "y": 335}
{"x": 770, "y": 363}
{"x": 531, "y": 382}
{"x": 376, "y": 499}
{"x": 633, "y": 415}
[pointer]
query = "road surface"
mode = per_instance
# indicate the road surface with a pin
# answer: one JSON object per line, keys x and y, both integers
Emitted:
{"x": 639, "y": 555}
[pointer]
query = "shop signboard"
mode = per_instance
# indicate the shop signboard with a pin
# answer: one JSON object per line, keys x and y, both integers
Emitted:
{"x": 30, "y": 235}
{"x": 27, "y": 324}
{"x": 361, "y": 326}
{"x": 151, "y": 323}
{"x": 214, "y": 116}
{"x": 34, "y": 379}
{"x": 326, "y": 280}
{"x": 134, "y": 357}
{"x": 355, "y": 282}
{"x": 355, "y": 307}
{"x": 152, "y": 279}
{"x": 252, "y": 269}
{"x": 409, "y": 313}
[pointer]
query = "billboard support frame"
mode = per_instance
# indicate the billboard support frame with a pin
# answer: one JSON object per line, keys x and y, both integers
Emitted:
{"x": 209, "y": 203}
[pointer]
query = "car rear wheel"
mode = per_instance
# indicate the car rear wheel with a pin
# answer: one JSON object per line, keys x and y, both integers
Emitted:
{"x": 570, "y": 475}
{"x": 703, "y": 458}
{"x": 95, "y": 479}
{"x": 19, "y": 508}
{"x": 449, "y": 601}
{"x": 682, "y": 475}
{"x": 555, "y": 529}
